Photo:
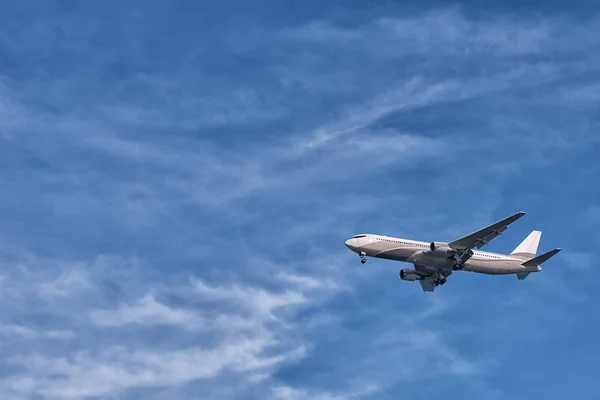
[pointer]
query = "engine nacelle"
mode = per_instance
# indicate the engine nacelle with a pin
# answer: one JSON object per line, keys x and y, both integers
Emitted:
{"x": 410, "y": 275}
{"x": 441, "y": 249}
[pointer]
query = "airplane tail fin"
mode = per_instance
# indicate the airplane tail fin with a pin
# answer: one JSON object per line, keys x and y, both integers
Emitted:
{"x": 528, "y": 247}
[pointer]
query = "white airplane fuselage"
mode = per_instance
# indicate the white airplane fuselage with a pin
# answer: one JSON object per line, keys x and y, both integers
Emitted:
{"x": 420, "y": 253}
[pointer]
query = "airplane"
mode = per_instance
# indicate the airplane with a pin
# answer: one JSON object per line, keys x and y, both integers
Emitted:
{"x": 435, "y": 261}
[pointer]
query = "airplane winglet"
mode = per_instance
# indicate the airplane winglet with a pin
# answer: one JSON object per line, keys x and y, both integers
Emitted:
{"x": 539, "y": 260}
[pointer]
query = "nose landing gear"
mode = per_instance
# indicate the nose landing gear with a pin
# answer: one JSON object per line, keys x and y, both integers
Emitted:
{"x": 362, "y": 257}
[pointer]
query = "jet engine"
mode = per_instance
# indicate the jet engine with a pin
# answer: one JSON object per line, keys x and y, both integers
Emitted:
{"x": 410, "y": 275}
{"x": 441, "y": 249}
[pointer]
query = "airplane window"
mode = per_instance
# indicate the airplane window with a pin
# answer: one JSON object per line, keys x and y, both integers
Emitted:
{"x": 358, "y": 236}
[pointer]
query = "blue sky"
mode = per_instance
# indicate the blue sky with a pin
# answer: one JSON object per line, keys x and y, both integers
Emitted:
{"x": 178, "y": 179}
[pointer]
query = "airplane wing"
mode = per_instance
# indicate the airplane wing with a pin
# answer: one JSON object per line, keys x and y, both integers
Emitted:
{"x": 430, "y": 282}
{"x": 484, "y": 236}
{"x": 480, "y": 238}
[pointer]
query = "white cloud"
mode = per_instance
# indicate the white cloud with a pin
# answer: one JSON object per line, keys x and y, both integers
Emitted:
{"x": 147, "y": 311}
{"x": 308, "y": 283}
{"x": 64, "y": 285}
{"x": 451, "y": 31}
{"x": 246, "y": 340}
{"x": 288, "y": 393}
{"x": 259, "y": 302}
{"x": 117, "y": 369}
{"x": 244, "y": 326}
{"x": 25, "y": 332}
{"x": 441, "y": 32}
{"x": 246, "y": 323}
{"x": 61, "y": 334}
{"x": 17, "y": 330}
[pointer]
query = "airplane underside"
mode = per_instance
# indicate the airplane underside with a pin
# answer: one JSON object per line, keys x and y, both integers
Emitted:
{"x": 434, "y": 262}
{"x": 432, "y": 270}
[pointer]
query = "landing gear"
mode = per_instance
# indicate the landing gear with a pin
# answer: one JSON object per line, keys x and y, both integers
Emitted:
{"x": 362, "y": 255}
{"x": 440, "y": 277}
{"x": 460, "y": 259}
{"x": 457, "y": 267}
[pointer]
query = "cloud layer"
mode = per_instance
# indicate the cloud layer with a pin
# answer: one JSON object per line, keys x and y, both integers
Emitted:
{"x": 175, "y": 198}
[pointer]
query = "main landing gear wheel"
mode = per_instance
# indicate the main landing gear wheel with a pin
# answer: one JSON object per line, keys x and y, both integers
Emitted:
{"x": 439, "y": 282}
{"x": 440, "y": 278}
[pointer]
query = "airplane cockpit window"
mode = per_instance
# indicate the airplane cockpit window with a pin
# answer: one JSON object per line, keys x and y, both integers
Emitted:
{"x": 358, "y": 236}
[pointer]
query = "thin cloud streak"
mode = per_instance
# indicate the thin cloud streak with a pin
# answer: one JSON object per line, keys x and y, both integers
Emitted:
{"x": 195, "y": 223}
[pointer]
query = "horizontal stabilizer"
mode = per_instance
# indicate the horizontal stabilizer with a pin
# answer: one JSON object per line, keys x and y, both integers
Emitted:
{"x": 539, "y": 260}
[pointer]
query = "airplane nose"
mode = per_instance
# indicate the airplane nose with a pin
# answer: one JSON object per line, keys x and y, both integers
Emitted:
{"x": 348, "y": 244}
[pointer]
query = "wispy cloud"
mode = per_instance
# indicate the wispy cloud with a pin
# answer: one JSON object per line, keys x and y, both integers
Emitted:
{"x": 91, "y": 373}
{"x": 247, "y": 328}
{"x": 289, "y": 393}
{"x": 117, "y": 369}
{"x": 146, "y": 311}
{"x": 451, "y": 31}
{"x": 174, "y": 208}
{"x": 31, "y": 333}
